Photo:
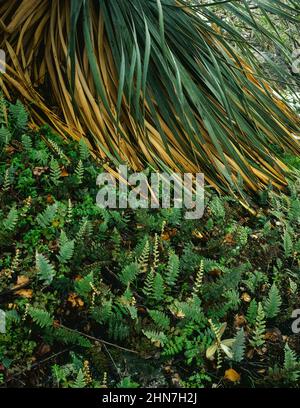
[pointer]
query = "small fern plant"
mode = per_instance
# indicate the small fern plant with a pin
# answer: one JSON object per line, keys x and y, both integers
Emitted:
{"x": 258, "y": 336}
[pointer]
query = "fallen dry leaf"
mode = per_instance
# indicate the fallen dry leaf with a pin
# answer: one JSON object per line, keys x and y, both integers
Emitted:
{"x": 197, "y": 234}
{"x": 38, "y": 171}
{"x": 215, "y": 272}
{"x": 50, "y": 199}
{"x": 168, "y": 234}
{"x": 229, "y": 239}
{"x": 75, "y": 300}
{"x": 64, "y": 172}
{"x": 232, "y": 375}
{"x": 26, "y": 293}
{"x": 246, "y": 297}
{"x": 21, "y": 280}
{"x": 239, "y": 320}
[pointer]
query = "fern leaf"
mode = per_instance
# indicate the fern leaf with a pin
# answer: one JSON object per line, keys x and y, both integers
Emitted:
{"x": 80, "y": 380}
{"x": 40, "y": 317}
{"x": 161, "y": 320}
{"x": 172, "y": 273}
{"x": 45, "y": 269}
{"x": 273, "y": 302}
{"x": 11, "y": 220}
{"x": 55, "y": 172}
{"x": 47, "y": 216}
{"x": 238, "y": 347}
{"x": 66, "y": 248}
{"x": 19, "y": 116}
{"x": 84, "y": 152}
{"x": 129, "y": 273}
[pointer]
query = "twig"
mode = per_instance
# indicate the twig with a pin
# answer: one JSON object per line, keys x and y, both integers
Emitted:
{"x": 96, "y": 339}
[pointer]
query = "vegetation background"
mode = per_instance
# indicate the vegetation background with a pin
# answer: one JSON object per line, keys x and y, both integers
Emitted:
{"x": 103, "y": 298}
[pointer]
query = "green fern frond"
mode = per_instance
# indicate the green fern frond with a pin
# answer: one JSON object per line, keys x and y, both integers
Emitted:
{"x": 26, "y": 142}
{"x": 172, "y": 272}
{"x": 85, "y": 229}
{"x": 252, "y": 312}
{"x": 258, "y": 336}
{"x": 79, "y": 171}
{"x": 143, "y": 260}
{"x": 287, "y": 243}
{"x": 80, "y": 380}
{"x": 45, "y": 270}
{"x": 47, "y": 216}
{"x": 66, "y": 248}
{"x": 155, "y": 253}
{"x": 57, "y": 149}
{"x": 6, "y": 180}
{"x": 69, "y": 211}
{"x": 199, "y": 279}
{"x": 11, "y": 220}
{"x": 40, "y": 317}
{"x": 156, "y": 337}
{"x": 129, "y": 273}
{"x": 148, "y": 284}
{"x": 84, "y": 152}
{"x": 19, "y": 116}
{"x": 55, "y": 172}
{"x": 291, "y": 364}
{"x": 272, "y": 303}
{"x": 238, "y": 347}
{"x": 158, "y": 287}
{"x": 161, "y": 320}
{"x": 5, "y": 135}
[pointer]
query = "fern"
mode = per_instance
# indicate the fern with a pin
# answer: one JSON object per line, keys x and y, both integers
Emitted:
{"x": 291, "y": 364}
{"x": 172, "y": 273}
{"x": 70, "y": 337}
{"x": 69, "y": 212}
{"x": 40, "y": 317}
{"x": 19, "y": 116}
{"x": 26, "y": 207}
{"x": 161, "y": 320}
{"x": 129, "y": 273}
{"x": 85, "y": 230}
{"x": 287, "y": 244}
{"x": 80, "y": 380}
{"x": 252, "y": 312}
{"x": 216, "y": 207}
{"x": 273, "y": 303}
{"x": 6, "y": 181}
{"x": 5, "y": 135}
{"x": 155, "y": 253}
{"x": 57, "y": 149}
{"x": 79, "y": 171}
{"x": 143, "y": 260}
{"x": 118, "y": 328}
{"x": 148, "y": 285}
{"x": 45, "y": 269}
{"x": 47, "y": 216}
{"x": 199, "y": 279}
{"x": 158, "y": 287}
{"x": 11, "y": 220}
{"x": 174, "y": 346}
{"x": 26, "y": 142}
{"x": 83, "y": 286}
{"x": 3, "y": 110}
{"x": 84, "y": 152}
{"x": 66, "y": 248}
{"x": 55, "y": 172}
{"x": 41, "y": 156}
{"x": 238, "y": 347}
{"x": 158, "y": 338}
{"x": 258, "y": 337}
